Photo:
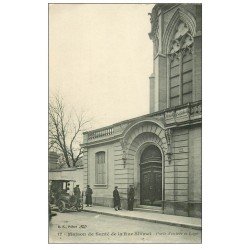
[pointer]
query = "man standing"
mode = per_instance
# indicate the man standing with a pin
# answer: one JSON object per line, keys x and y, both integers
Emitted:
{"x": 131, "y": 197}
{"x": 117, "y": 201}
{"x": 77, "y": 193}
{"x": 88, "y": 195}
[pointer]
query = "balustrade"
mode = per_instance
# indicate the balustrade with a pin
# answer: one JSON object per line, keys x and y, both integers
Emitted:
{"x": 178, "y": 114}
{"x": 100, "y": 133}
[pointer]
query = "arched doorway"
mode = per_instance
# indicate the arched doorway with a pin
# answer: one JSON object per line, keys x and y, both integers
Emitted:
{"x": 151, "y": 176}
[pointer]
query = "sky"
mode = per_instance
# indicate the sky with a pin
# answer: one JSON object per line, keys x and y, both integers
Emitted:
{"x": 100, "y": 59}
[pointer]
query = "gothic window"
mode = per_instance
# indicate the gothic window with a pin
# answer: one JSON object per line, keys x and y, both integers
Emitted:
{"x": 100, "y": 168}
{"x": 181, "y": 66}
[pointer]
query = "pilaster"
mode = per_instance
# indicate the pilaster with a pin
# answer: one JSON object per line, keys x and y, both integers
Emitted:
{"x": 152, "y": 93}
{"x": 160, "y": 82}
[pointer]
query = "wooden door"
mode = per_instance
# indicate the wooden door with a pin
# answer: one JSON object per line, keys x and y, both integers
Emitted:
{"x": 151, "y": 185}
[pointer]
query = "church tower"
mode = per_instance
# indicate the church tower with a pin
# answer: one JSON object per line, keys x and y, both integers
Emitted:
{"x": 176, "y": 36}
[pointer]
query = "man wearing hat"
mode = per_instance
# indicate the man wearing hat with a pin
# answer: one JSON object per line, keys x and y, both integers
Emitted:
{"x": 88, "y": 195}
{"x": 131, "y": 197}
{"x": 117, "y": 201}
{"x": 77, "y": 193}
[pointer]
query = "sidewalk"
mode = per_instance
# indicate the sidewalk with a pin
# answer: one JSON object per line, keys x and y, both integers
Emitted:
{"x": 173, "y": 220}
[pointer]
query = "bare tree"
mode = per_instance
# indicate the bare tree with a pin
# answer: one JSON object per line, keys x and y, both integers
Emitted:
{"x": 65, "y": 130}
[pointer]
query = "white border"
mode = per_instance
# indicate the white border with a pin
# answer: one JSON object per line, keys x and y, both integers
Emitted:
{"x": 225, "y": 126}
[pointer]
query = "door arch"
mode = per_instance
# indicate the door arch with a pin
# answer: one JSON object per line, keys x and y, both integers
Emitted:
{"x": 151, "y": 176}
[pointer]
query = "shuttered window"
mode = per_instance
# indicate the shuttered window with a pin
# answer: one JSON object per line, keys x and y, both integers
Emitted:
{"x": 100, "y": 167}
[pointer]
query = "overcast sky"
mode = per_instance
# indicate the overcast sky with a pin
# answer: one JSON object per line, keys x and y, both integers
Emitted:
{"x": 100, "y": 59}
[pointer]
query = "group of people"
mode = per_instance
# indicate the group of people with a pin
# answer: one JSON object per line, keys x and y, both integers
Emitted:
{"x": 116, "y": 197}
{"x": 88, "y": 194}
{"x": 117, "y": 200}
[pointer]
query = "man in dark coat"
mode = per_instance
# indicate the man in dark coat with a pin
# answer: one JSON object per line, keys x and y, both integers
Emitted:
{"x": 117, "y": 201}
{"x": 88, "y": 195}
{"x": 77, "y": 193}
{"x": 131, "y": 197}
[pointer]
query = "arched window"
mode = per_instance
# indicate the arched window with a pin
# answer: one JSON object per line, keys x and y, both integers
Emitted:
{"x": 181, "y": 66}
{"x": 100, "y": 168}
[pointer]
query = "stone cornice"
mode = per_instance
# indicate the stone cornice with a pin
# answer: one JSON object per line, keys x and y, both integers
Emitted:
{"x": 179, "y": 116}
{"x": 64, "y": 169}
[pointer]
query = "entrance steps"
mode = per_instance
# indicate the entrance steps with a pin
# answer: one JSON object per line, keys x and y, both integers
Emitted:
{"x": 149, "y": 209}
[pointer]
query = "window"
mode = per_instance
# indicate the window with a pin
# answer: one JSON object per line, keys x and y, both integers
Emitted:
{"x": 100, "y": 168}
{"x": 181, "y": 66}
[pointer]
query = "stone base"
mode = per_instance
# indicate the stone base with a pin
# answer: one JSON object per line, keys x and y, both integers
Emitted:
{"x": 103, "y": 201}
{"x": 183, "y": 209}
{"x": 190, "y": 209}
{"x": 169, "y": 208}
{"x": 195, "y": 210}
{"x": 108, "y": 202}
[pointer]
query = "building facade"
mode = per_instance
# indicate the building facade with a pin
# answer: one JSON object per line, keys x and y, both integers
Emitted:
{"x": 159, "y": 153}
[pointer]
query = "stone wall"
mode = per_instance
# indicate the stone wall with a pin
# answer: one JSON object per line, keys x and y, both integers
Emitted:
{"x": 176, "y": 188}
{"x": 195, "y": 169}
{"x": 100, "y": 191}
{"x": 182, "y": 172}
{"x": 180, "y": 158}
{"x": 185, "y": 199}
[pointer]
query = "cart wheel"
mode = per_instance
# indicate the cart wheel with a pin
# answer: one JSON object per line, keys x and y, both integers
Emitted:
{"x": 79, "y": 208}
{"x": 61, "y": 206}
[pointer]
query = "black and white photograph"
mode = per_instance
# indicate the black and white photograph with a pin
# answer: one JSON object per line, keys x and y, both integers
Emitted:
{"x": 125, "y": 123}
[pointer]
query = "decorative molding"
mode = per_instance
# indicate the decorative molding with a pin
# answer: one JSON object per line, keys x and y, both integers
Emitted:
{"x": 187, "y": 113}
{"x": 170, "y": 114}
{"x": 168, "y": 135}
{"x": 190, "y": 112}
{"x": 196, "y": 110}
{"x": 124, "y": 150}
{"x": 182, "y": 40}
{"x": 181, "y": 112}
{"x": 176, "y": 55}
{"x": 181, "y": 15}
{"x": 154, "y": 22}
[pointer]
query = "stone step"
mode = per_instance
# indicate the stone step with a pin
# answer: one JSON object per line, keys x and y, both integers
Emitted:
{"x": 149, "y": 209}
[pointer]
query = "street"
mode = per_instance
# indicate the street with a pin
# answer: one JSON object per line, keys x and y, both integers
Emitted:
{"x": 86, "y": 227}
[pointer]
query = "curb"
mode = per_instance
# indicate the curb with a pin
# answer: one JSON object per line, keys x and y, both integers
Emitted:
{"x": 148, "y": 220}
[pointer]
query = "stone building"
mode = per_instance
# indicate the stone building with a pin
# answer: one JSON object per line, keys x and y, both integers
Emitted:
{"x": 159, "y": 153}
